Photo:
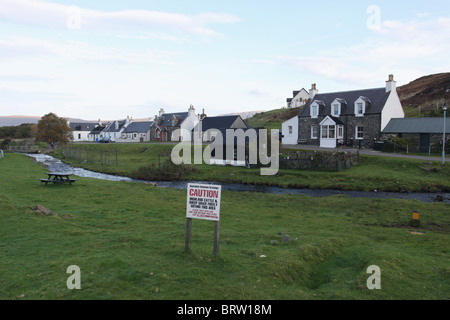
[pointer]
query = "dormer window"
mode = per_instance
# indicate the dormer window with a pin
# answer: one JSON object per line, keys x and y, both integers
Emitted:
{"x": 360, "y": 106}
{"x": 314, "y": 110}
{"x": 336, "y": 110}
{"x": 336, "y": 107}
{"x": 360, "y": 109}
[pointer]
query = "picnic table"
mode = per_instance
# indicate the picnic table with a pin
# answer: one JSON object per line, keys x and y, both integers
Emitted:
{"x": 58, "y": 178}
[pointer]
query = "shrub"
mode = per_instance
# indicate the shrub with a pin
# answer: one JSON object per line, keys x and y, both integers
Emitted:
{"x": 165, "y": 172}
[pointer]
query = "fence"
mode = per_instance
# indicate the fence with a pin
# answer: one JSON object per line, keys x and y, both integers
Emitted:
{"x": 86, "y": 155}
{"x": 431, "y": 149}
{"x": 24, "y": 149}
{"x": 319, "y": 160}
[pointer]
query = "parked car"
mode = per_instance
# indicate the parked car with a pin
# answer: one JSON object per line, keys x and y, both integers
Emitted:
{"x": 105, "y": 140}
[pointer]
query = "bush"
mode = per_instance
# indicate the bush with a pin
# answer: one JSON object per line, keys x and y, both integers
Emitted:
{"x": 5, "y": 143}
{"x": 165, "y": 172}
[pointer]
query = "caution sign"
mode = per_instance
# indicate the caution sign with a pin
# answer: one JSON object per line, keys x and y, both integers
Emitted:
{"x": 203, "y": 201}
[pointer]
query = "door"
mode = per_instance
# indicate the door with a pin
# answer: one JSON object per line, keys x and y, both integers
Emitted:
{"x": 425, "y": 141}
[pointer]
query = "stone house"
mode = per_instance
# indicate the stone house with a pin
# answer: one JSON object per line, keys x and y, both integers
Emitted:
{"x": 165, "y": 124}
{"x": 349, "y": 118}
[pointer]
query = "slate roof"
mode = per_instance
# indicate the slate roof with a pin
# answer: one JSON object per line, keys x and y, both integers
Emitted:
{"x": 377, "y": 98}
{"x": 140, "y": 127}
{"x": 82, "y": 126}
{"x": 98, "y": 129}
{"x": 220, "y": 122}
{"x": 165, "y": 120}
{"x": 417, "y": 125}
{"x": 112, "y": 127}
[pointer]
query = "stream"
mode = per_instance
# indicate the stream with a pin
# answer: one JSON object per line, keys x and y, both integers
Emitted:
{"x": 56, "y": 165}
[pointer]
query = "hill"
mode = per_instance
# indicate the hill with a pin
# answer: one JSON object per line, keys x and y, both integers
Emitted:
{"x": 7, "y": 121}
{"x": 425, "y": 96}
{"x": 272, "y": 119}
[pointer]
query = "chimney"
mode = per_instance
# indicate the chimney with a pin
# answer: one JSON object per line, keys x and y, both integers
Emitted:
{"x": 161, "y": 112}
{"x": 191, "y": 110}
{"x": 391, "y": 85}
{"x": 313, "y": 91}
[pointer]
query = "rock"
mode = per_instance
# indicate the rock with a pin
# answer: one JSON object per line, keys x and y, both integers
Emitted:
{"x": 68, "y": 216}
{"x": 273, "y": 241}
{"x": 286, "y": 238}
{"x": 44, "y": 210}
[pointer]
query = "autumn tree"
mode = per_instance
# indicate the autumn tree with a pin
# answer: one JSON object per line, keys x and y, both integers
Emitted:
{"x": 54, "y": 130}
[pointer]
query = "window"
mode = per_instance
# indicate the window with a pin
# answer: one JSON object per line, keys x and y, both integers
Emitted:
{"x": 328, "y": 132}
{"x": 290, "y": 129}
{"x": 314, "y": 111}
{"x": 335, "y": 110}
{"x": 360, "y": 108}
{"x": 314, "y": 132}
{"x": 340, "y": 130}
{"x": 359, "y": 133}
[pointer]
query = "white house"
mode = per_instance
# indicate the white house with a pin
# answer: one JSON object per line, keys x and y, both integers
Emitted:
{"x": 136, "y": 132}
{"x": 113, "y": 131}
{"x": 299, "y": 99}
{"x": 81, "y": 130}
{"x": 289, "y": 130}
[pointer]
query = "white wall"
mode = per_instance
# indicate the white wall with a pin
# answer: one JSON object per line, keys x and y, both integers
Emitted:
{"x": 303, "y": 95}
{"x": 80, "y": 136}
{"x": 392, "y": 109}
{"x": 188, "y": 124}
{"x": 293, "y": 137}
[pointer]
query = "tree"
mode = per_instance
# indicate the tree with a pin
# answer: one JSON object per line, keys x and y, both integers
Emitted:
{"x": 53, "y": 130}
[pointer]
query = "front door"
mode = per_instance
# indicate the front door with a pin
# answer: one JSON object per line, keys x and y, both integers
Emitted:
{"x": 425, "y": 142}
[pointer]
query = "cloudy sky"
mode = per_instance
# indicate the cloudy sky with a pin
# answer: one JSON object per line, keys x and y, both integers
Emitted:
{"x": 112, "y": 59}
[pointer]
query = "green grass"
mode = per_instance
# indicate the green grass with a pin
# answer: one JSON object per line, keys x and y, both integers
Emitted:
{"x": 373, "y": 173}
{"x": 128, "y": 240}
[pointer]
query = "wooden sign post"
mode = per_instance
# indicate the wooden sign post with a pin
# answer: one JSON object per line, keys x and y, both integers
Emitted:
{"x": 203, "y": 202}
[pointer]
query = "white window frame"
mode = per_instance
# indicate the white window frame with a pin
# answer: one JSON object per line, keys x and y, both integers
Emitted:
{"x": 360, "y": 104}
{"x": 340, "y": 131}
{"x": 357, "y": 131}
{"x": 336, "y": 107}
{"x": 314, "y": 110}
{"x": 325, "y": 132}
{"x": 316, "y": 129}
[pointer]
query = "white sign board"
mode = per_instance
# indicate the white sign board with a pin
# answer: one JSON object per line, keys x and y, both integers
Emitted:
{"x": 203, "y": 201}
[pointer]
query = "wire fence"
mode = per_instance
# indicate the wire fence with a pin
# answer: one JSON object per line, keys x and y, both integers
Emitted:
{"x": 86, "y": 155}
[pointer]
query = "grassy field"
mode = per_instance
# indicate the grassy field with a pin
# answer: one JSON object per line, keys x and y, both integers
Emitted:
{"x": 128, "y": 240}
{"x": 373, "y": 173}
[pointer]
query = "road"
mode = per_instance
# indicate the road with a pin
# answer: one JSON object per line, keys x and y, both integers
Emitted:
{"x": 369, "y": 152}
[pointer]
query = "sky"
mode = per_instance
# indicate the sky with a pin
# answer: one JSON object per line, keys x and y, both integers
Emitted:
{"x": 112, "y": 59}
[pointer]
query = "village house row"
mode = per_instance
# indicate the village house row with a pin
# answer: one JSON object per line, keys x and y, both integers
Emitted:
{"x": 357, "y": 119}
{"x": 162, "y": 127}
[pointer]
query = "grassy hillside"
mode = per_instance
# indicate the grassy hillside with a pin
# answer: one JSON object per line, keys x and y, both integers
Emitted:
{"x": 128, "y": 240}
{"x": 272, "y": 119}
{"x": 425, "y": 96}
